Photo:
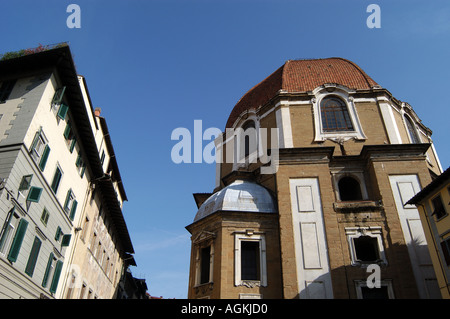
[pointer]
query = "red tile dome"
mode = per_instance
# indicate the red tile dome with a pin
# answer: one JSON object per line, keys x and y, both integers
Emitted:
{"x": 302, "y": 76}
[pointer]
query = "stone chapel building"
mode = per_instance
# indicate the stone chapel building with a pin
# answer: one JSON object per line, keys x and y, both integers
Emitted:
{"x": 348, "y": 156}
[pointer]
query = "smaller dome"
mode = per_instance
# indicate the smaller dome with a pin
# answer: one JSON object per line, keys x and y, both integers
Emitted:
{"x": 240, "y": 196}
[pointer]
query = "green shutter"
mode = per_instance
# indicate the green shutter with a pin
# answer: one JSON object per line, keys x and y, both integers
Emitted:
{"x": 58, "y": 233}
{"x": 66, "y": 203}
{"x": 34, "y": 194}
{"x": 79, "y": 160}
{"x": 66, "y": 240}
{"x": 18, "y": 239}
{"x": 57, "y": 98}
{"x": 67, "y": 130}
{"x": 72, "y": 145}
{"x": 56, "y": 179}
{"x": 44, "y": 157}
{"x": 29, "y": 269}
{"x": 83, "y": 169}
{"x": 73, "y": 210}
{"x": 56, "y": 275}
{"x": 62, "y": 112}
{"x": 47, "y": 270}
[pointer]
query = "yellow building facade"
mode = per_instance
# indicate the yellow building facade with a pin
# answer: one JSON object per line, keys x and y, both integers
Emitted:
{"x": 433, "y": 203}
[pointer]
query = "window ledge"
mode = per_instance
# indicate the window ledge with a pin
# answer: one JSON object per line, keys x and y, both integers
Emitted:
{"x": 357, "y": 206}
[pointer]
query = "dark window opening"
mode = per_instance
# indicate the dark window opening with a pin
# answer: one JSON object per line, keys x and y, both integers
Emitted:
{"x": 375, "y": 293}
{"x": 249, "y": 138}
{"x": 335, "y": 115}
{"x": 438, "y": 205}
{"x": 205, "y": 255}
{"x": 250, "y": 268}
{"x": 6, "y": 89}
{"x": 349, "y": 189}
{"x": 445, "y": 246}
{"x": 366, "y": 248}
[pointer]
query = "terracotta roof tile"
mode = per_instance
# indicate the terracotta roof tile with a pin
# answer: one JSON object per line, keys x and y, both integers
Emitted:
{"x": 302, "y": 76}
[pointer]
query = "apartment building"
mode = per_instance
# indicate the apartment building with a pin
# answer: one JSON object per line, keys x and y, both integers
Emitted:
{"x": 60, "y": 184}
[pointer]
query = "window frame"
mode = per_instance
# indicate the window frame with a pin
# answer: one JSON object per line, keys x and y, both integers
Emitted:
{"x": 433, "y": 205}
{"x": 250, "y": 236}
{"x": 359, "y": 284}
{"x": 8, "y": 232}
{"x": 342, "y": 93}
{"x": 371, "y": 231}
{"x": 58, "y": 183}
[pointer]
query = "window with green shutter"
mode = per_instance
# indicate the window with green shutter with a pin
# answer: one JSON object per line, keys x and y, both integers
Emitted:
{"x": 17, "y": 241}
{"x": 72, "y": 145}
{"x": 48, "y": 269}
{"x": 25, "y": 182}
{"x": 58, "y": 233}
{"x": 67, "y": 131}
{"x": 73, "y": 210}
{"x": 56, "y": 275}
{"x": 45, "y": 216}
{"x": 44, "y": 157}
{"x": 56, "y": 179}
{"x": 66, "y": 240}
{"x": 29, "y": 269}
{"x": 58, "y": 96}
{"x": 34, "y": 194}
{"x": 62, "y": 112}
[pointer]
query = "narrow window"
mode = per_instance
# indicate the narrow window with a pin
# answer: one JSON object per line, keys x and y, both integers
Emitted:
{"x": 445, "y": 245}
{"x": 29, "y": 269}
{"x": 205, "y": 264}
{"x": 39, "y": 149}
{"x": 56, "y": 275}
{"x": 335, "y": 115}
{"x": 349, "y": 189}
{"x": 45, "y": 216}
{"x": 17, "y": 241}
{"x": 8, "y": 231}
{"x": 56, "y": 179}
{"x": 250, "y": 260}
{"x": 48, "y": 270}
{"x": 412, "y": 131}
{"x": 439, "y": 209}
{"x": 366, "y": 249}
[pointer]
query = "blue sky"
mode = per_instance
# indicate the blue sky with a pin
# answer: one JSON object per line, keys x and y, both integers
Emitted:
{"x": 154, "y": 65}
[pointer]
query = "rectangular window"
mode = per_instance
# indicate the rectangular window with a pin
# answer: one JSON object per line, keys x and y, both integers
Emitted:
{"x": 62, "y": 112}
{"x": 8, "y": 231}
{"x": 70, "y": 204}
{"x": 366, "y": 249}
{"x": 17, "y": 241}
{"x": 6, "y": 89}
{"x": 45, "y": 216}
{"x": 445, "y": 245}
{"x": 56, "y": 179}
{"x": 25, "y": 182}
{"x": 29, "y": 269}
{"x": 48, "y": 270}
{"x": 56, "y": 275}
{"x": 39, "y": 149}
{"x": 250, "y": 260}
{"x": 438, "y": 206}
{"x": 205, "y": 260}
{"x": 58, "y": 96}
{"x": 34, "y": 194}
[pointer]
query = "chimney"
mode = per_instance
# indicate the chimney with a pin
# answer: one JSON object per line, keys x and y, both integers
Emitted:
{"x": 97, "y": 111}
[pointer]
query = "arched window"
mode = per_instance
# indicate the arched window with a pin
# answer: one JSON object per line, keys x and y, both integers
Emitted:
{"x": 335, "y": 115}
{"x": 412, "y": 131}
{"x": 249, "y": 138}
{"x": 349, "y": 189}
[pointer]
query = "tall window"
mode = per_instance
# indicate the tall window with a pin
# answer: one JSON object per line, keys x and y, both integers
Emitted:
{"x": 335, "y": 115}
{"x": 412, "y": 131}
{"x": 205, "y": 264}
{"x": 250, "y": 260}
{"x": 56, "y": 179}
{"x": 6, "y": 89}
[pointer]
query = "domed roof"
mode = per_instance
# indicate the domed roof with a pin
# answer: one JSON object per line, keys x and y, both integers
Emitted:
{"x": 302, "y": 76}
{"x": 241, "y": 196}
